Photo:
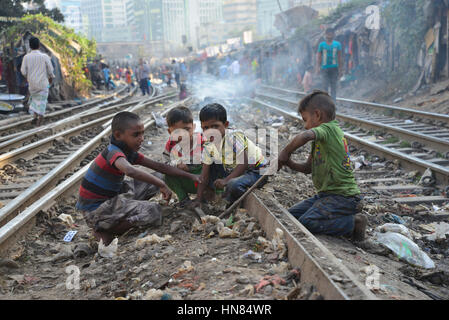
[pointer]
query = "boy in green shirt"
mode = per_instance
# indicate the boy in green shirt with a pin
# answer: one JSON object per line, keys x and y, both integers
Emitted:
{"x": 333, "y": 211}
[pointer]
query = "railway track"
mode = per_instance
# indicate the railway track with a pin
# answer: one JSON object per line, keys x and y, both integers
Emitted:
{"x": 319, "y": 267}
{"x": 22, "y": 139}
{"x": 33, "y": 170}
{"x": 11, "y": 128}
{"x": 415, "y": 150}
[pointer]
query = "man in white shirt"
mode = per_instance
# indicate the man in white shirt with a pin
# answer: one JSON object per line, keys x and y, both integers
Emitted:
{"x": 38, "y": 70}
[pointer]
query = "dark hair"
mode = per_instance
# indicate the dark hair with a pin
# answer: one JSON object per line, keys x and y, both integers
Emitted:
{"x": 123, "y": 120}
{"x": 318, "y": 100}
{"x": 34, "y": 43}
{"x": 330, "y": 30}
{"x": 177, "y": 114}
{"x": 213, "y": 111}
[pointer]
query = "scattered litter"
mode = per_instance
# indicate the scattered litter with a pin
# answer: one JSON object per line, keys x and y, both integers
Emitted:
{"x": 269, "y": 280}
{"x": 390, "y": 217}
{"x": 153, "y": 294}
{"x": 359, "y": 162}
{"x": 248, "y": 291}
{"x": 66, "y": 218}
{"x": 69, "y": 235}
{"x": 408, "y": 121}
{"x": 158, "y": 119}
{"x": 279, "y": 244}
{"x": 394, "y": 227}
{"x": 109, "y": 251}
{"x": 186, "y": 267}
{"x": 151, "y": 239}
{"x": 427, "y": 179}
{"x": 441, "y": 230}
{"x": 253, "y": 256}
{"x": 405, "y": 249}
{"x": 225, "y": 232}
{"x": 210, "y": 219}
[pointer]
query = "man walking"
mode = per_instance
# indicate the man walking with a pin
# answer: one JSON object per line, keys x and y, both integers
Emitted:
{"x": 143, "y": 74}
{"x": 329, "y": 60}
{"x": 38, "y": 70}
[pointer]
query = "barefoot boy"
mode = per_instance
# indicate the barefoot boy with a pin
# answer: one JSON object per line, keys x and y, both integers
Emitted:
{"x": 333, "y": 210}
{"x": 183, "y": 150}
{"x": 230, "y": 160}
{"x": 111, "y": 205}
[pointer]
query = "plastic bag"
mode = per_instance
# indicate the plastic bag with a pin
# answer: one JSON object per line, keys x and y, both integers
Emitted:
{"x": 405, "y": 249}
{"x": 394, "y": 227}
{"x": 441, "y": 230}
{"x": 109, "y": 251}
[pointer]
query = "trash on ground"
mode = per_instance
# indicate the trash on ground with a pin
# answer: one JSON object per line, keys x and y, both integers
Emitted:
{"x": 405, "y": 249}
{"x": 109, "y": 251}
{"x": 441, "y": 230}
{"x": 69, "y": 235}
{"x": 66, "y": 218}
{"x": 394, "y": 227}
{"x": 151, "y": 239}
{"x": 253, "y": 256}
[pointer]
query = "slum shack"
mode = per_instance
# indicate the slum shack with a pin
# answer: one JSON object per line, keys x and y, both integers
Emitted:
{"x": 68, "y": 52}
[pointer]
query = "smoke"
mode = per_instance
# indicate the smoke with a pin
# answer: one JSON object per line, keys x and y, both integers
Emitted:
{"x": 208, "y": 88}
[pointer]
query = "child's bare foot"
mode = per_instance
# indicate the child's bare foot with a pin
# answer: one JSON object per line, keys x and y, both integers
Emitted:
{"x": 360, "y": 223}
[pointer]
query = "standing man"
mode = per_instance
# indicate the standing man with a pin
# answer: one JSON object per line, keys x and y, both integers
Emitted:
{"x": 143, "y": 74}
{"x": 38, "y": 70}
{"x": 329, "y": 60}
{"x": 177, "y": 72}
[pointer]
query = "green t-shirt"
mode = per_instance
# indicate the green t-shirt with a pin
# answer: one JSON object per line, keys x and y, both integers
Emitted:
{"x": 332, "y": 170}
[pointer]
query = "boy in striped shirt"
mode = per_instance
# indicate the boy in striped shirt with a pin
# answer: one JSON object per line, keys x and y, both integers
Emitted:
{"x": 110, "y": 205}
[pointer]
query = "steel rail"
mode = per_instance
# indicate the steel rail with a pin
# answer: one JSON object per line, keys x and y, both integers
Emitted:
{"x": 58, "y": 113}
{"x": 435, "y": 143}
{"x": 443, "y": 118}
{"x": 51, "y": 178}
{"x": 409, "y": 162}
{"x": 10, "y": 230}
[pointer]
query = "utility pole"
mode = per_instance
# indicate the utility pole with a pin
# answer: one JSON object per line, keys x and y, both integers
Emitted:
{"x": 279, "y": 4}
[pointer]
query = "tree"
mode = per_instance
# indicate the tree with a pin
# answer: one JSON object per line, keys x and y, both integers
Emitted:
{"x": 15, "y": 9}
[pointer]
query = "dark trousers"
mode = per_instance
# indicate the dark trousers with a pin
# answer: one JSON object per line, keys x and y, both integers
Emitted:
{"x": 330, "y": 79}
{"x": 237, "y": 186}
{"x": 144, "y": 86}
{"x": 329, "y": 214}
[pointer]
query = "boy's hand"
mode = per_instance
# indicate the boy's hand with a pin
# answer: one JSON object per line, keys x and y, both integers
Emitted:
{"x": 183, "y": 166}
{"x": 220, "y": 183}
{"x": 196, "y": 178}
{"x": 283, "y": 159}
{"x": 166, "y": 193}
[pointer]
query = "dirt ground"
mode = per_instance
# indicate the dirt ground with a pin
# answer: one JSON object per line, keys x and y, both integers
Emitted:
{"x": 189, "y": 260}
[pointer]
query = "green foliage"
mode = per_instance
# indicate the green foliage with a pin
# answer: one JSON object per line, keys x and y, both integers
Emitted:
{"x": 342, "y": 9}
{"x": 15, "y": 9}
{"x": 63, "y": 41}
